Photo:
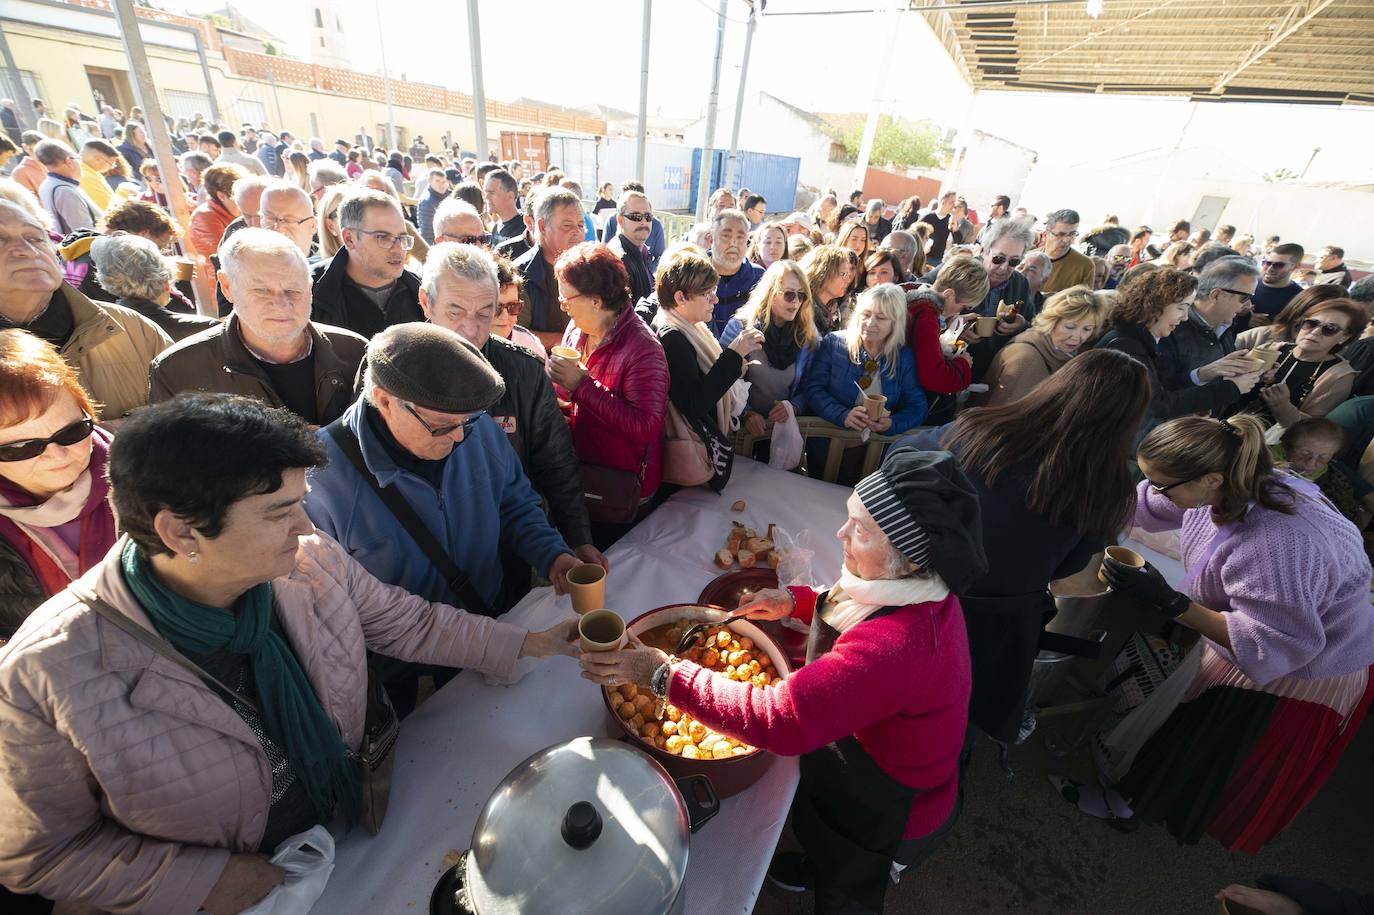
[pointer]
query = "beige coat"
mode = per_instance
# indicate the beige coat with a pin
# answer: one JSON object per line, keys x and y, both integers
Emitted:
{"x": 126, "y": 782}
{"x": 1019, "y": 366}
{"x": 110, "y": 348}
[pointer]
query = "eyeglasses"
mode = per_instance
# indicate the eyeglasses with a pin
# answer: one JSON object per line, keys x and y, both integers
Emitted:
{"x": 31, "y": 448}
{"x": 464, "y": 239}
{"x": 387, "y": 240}
{"x": 1243, "y": 296}
{"x": 870, "y": 369}
{"x": 1267, "y": 264}
{"x": 441, "y": 431}
{"x": 274, "y": 222}
{"x": 1164, "y": 489}
{"x": 512, "y": 307}
{"x": 1064, "y": 234}
{"x": 1000, "y": 259}
{"x": 791, "y": 295}
{"x": 637, "y": 217}
{"x": 1325, "y": 328}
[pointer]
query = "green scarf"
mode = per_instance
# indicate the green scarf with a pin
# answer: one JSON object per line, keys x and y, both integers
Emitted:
{"x": 291, "y": 713}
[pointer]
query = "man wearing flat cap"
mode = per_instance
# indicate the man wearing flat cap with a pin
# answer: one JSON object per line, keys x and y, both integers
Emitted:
{"x": 422, "y": 488}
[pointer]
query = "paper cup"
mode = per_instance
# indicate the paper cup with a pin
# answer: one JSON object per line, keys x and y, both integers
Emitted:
{"x": 566, "y": 352}
{"x": 1120, "y": 554}
{"x": 184, "y": 269}
{"x": 601, "y": 630}
{"x": 1265, "y": 356}
{"x": 587, "y": 585}
{"x": 873, "y": 403}
{"x": 985, "y": 327}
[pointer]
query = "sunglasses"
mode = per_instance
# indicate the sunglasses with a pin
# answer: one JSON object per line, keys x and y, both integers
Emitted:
{"x": 1325, "y": 328}
{"x": 637, "y": 217}
{"x": 466, "y": 239}
{"x": 870, "y": 369}
{"x": 31, "y": 448}
{"x": 1000, "y": 259}
{"x": 1164, "y": 489}
{"x": 791, "y": 295}
{"x": 440, "y": 431}
{"x": 1272, "y": 265}
{"x": 1243, "y": 296}
{"x": 512, "y": 308}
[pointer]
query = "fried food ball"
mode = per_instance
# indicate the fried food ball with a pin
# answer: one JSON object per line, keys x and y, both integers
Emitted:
{"x": 754, "y": 666}
{"x": 673, "y": 744}
{"x": 627, "y": 691}
{"x": 651, "y": 729}
{"x": 710, "y": 658}
{"x": 741, "y": 751}
{"x": 765, "y": 660}
{"x": 734, "y": 643}
{"x": 696, "y": 730}
{"x": 626, "y": 710}
{"x": 644, "y": 704}
{"x": 689, "y": 751}
{"x": 673, "y": 713}
{"x": 637, "y": 721}
{"x": 746, "y": 643}
{"x": 668, "y": 727}
{"x": 661, "y": 742}
{"x": 759, "y": 680}
{"x": 722, "y": 750}
{"x": 723, "y": 637}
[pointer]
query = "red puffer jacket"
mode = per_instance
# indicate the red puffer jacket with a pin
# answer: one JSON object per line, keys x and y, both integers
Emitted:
{"x": 617, "y": 411}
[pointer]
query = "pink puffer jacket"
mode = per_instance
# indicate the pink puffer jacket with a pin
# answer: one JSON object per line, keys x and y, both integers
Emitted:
{"x": 125, "y": 782}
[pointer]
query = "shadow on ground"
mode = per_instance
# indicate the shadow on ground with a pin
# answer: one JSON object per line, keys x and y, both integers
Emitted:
{"x": 1020, "y": 849}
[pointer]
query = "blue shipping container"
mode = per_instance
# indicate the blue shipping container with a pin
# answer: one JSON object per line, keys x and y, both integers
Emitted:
{"x": 773, "y": 177}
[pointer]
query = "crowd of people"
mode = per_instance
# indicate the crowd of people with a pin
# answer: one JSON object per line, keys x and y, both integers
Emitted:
{"x": 417, "y": 382}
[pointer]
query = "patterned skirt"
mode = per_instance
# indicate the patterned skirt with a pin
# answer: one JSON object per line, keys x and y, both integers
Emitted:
{"x": 1222, "y": 755}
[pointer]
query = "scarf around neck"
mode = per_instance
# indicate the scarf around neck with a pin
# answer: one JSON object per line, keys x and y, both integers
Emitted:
{"x": 854, "y": 599}
{"x": 708, "y": 353}
{"x": 780, "y": 345}
{"x": 291, "y": 712}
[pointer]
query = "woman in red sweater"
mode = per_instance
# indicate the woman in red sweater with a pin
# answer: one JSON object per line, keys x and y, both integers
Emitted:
{"x": 878, "y": 712}
{"x": 961, "y": 285}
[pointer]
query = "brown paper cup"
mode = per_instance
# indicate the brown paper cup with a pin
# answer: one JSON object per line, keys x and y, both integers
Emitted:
{"x": 587, "y": 585}
{"x": 184, "y": 269}
{"x": 1120, "y": 554}
{"x": 1266, "y": 357}
{"x": 566, "y": 352}
{"x": 986, "y": 327}
{"x": 873, "y": 403}
{"x": 601, "y": 630}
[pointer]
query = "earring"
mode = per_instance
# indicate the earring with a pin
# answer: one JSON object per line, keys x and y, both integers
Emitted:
{"x": 193, "y": 556}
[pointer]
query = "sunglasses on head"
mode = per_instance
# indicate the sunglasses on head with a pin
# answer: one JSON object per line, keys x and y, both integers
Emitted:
{"x": 637, "y": 217}
{"x": 870, "y": 369}
{"x": 791, "y": 295}
{"x": 1325, "y": 328}
{"x": 31, "y": 448}
{"x": 1000, "y": 259}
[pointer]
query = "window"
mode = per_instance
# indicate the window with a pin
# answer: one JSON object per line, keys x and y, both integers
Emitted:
{"x": 319, "y": 19}
{"x": 185, "y": 104}
{"x": 251, "y": 111}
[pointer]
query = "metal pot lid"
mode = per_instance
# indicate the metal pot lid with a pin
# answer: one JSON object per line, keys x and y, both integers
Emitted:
{"x": 590, "y": 825}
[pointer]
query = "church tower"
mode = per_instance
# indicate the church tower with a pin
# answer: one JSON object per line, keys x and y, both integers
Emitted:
{"x": 328, "y": 40}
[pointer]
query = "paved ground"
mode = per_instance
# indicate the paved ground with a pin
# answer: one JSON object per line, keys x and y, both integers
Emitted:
{"x": 1020, "y": 849}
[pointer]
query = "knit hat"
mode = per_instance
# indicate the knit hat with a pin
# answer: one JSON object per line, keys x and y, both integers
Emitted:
{"x": 928, "y": 508}
{"x": 434, "y": 368}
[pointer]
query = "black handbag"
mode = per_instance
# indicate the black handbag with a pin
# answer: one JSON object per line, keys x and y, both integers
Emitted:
{"x": 611, "y": 495}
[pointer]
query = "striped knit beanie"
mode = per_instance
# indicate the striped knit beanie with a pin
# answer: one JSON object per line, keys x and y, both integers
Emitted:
{"x": 928, "y": 508}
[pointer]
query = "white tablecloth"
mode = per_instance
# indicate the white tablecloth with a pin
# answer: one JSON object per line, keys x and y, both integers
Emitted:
{"x": 457, "y": 746}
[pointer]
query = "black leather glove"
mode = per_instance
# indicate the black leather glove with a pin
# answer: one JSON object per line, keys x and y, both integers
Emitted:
{"x": 1146, "y": 585}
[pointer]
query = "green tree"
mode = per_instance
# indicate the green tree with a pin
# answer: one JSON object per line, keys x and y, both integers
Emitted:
{"x": 269, "y": 48}
{"x": 896, "y": 142}
{"x": 1280, "y": 175}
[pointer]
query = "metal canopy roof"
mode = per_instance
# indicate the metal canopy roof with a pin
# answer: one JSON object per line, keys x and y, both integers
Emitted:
{"x": 1300, "y": 51}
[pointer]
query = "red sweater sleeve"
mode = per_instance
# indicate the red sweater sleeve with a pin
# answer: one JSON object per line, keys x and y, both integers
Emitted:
{"x": 832, "y": 697}
{"x": 803, "y": 603}
{"x": 936, "y": 373}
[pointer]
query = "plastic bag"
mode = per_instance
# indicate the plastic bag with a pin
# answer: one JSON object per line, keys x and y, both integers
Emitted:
{"x": 785, "y": 449}
{"x": 739, "y": 400}
{"x": 308, "y": 859}
{"x": 794, "y": 566}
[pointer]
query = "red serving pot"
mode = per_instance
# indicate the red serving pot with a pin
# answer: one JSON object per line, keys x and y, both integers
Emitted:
{"x": 731, "y": 775}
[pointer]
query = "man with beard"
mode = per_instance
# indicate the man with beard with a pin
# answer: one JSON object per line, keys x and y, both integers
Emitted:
{"x": 738, "y": 276}
{"x": 558, "y": 225}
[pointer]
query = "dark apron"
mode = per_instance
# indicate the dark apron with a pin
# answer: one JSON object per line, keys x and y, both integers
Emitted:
{"x": 849, "y": 815}
{"x": 1003, "y": 640}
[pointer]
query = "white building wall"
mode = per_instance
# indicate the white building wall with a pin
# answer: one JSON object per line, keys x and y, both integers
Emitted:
{"x": 328, "y": 33}
{"x": 769, "y": 127}
{"x": 993, "y": 166}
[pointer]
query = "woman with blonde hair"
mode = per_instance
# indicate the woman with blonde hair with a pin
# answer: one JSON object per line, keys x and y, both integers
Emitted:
{"x": 854, "y": 236}
{"x": 330, "y": 235}
{"x": 1244, "y": 733}
{"x": 1063, "y": 328}
{"x": 798, "y": 246}
{"x": 780, "y": 307}
{"x": 769, "y": 245}
{"x": 52, "y": 130}
{"x": 934, "y": 331}
{"x": 829, "y": 274}
{"x": 868, "y": 357}
{"x": 1179, "y": 255}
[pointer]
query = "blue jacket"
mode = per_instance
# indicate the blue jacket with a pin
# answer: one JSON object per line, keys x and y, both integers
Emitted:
{"x": 832, "y": 385}
{"x": 485, "y": 501}
{"x": 425, "y": 208}
{"x": 798, "y": 388}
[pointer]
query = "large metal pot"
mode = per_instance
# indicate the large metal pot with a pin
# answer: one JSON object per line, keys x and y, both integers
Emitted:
{"x": 587, "y": 826}
{"x": 729, "y": 776}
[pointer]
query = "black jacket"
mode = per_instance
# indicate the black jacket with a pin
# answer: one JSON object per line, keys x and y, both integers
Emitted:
{"x": 1212, "y": 397}
{"x": 339, "y": 302}
{"x": 540, "y": 293}
{"x": 20, "y": 591}
{"x": 641, "y": 283}
{"x": 216, "y": 360}
{"x": 536, "y": 429}
{"x": 695, "y": 393}
{"x": 1192, "y": 345}
{"x": 177, "y": 325}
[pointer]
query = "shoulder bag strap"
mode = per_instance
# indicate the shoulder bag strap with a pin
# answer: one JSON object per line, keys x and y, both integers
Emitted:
{"x": 402, "y": 510}
{"x": 158, "y": 644}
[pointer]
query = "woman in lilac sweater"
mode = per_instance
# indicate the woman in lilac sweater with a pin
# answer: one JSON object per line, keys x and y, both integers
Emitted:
{"x": 878, "y": 712}
{"x": 1278, "y": 586}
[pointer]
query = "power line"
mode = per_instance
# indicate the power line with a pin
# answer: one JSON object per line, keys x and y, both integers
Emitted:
{"x": 702, "y": 4}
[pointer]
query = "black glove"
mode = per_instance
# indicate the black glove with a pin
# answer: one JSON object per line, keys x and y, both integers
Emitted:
{"x": 1146, "y": 585}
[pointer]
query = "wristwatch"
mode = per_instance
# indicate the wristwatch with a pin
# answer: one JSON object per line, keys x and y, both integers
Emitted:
{"x": 658, "y": 681}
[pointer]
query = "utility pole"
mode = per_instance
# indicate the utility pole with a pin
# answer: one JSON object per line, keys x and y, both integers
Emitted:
{"x": 22, "y": 100}
{"x": 479, "y": 93}
{"x": 894, "y": 22}
{"x": 739, "y": 99}
{"x": 1309, "y": 162}
{"x": 386, "y": 81}
{"x": 708, "y": 151}
{"x": 156, "y": 125}
{"x": 643, "y": 95}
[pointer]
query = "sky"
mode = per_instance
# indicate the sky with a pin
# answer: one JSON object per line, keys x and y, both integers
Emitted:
{"x": 579, "y": 52}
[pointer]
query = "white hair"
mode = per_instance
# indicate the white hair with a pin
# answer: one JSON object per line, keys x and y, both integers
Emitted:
{"x": 464, "y": 262}
{"x": 451, "y": 207}
{"x": 260, "y": 242}
{"x": 243, "y": 186}
{"x": 130, "y": 266}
